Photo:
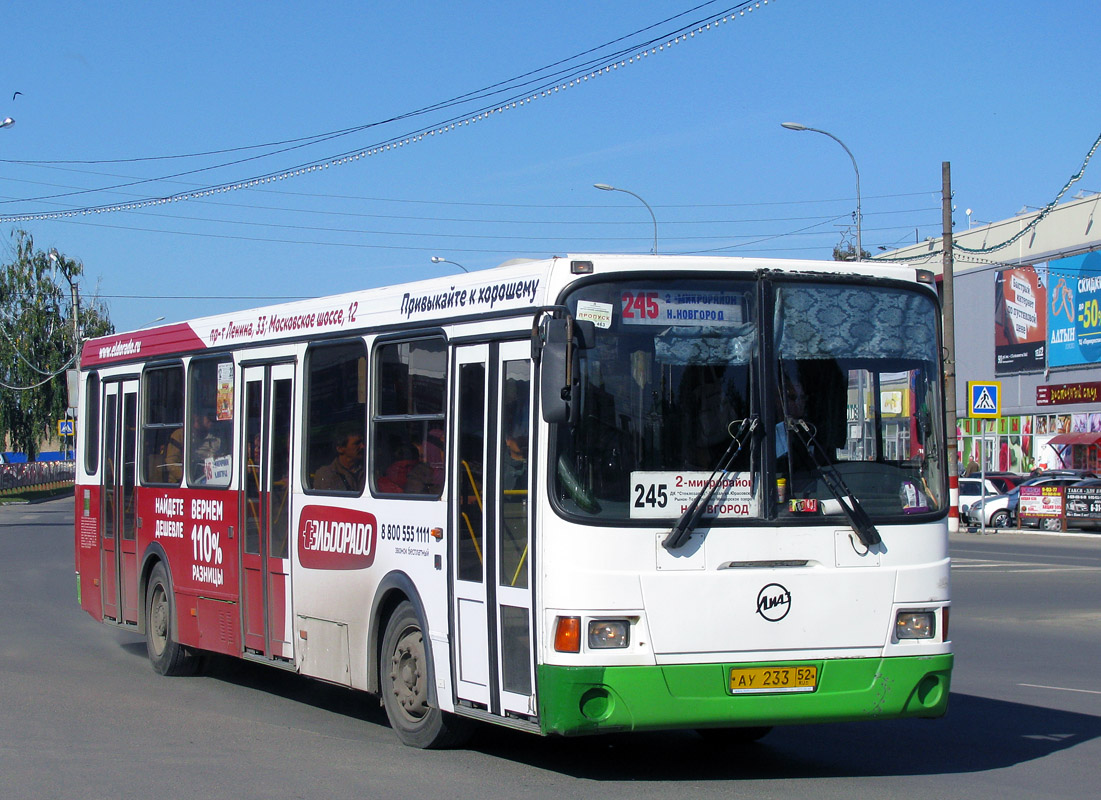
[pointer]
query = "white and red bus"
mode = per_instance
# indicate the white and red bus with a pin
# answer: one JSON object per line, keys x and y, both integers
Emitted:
{"x": 585, "y": 494}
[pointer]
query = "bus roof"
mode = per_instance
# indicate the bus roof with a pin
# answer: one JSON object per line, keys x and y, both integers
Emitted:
{"x": 516, "y": 287}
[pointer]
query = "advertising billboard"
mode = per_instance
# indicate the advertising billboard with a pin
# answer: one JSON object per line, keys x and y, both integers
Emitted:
{"x": 1020, "y": 321}
{"x": 1074, "y": 310}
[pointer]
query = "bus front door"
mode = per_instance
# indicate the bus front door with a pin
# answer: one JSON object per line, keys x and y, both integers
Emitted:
{"x": 490, "y": 562}
{"x": 118, "y": 554}
{"x": 265, "y": 510}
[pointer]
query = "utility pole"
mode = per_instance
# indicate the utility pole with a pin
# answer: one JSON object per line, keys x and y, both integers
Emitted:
{"x": 949, "y": 331}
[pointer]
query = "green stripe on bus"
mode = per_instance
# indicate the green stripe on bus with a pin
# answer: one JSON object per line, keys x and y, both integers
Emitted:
{"x": 581, "y": 700}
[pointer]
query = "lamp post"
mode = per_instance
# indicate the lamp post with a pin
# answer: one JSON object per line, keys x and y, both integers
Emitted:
{"x": 7, "y": 123}
{"x": 442, "y": 260}
{"x": 57, "y": 259}
{"x": 606, "y": 188}
{"x": 795, "y": 126}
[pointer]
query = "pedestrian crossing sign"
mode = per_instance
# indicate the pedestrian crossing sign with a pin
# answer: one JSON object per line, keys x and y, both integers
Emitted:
{"x": 984, "y": 399}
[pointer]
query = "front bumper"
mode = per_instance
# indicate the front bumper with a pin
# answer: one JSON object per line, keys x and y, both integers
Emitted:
{"x": 585, "y": 700}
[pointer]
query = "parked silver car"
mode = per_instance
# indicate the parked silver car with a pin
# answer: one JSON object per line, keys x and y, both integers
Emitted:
{"x": 1001, "y": 511}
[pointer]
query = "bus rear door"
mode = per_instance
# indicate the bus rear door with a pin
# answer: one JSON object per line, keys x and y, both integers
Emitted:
{"x": 265, "y": 508}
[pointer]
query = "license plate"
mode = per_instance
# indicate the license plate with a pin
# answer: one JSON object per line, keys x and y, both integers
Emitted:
{"x": 771, "y": 680}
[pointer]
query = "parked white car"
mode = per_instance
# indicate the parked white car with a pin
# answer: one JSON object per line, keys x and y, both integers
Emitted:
{"x": 971, "y": 489}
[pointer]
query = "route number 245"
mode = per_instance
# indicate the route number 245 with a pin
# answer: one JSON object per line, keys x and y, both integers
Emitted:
{"x": 654, "y": 495}
{"x": 643, "y": 305}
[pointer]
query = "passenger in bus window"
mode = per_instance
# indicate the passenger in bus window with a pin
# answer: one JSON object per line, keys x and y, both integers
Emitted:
{"x": 408, "y": 474}
{"x": 345, "y": 473}
{"x": 794, "y": 407}
{"x": 206, "y": 444}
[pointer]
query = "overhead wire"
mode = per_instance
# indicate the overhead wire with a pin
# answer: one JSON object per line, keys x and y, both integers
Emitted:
{"x": 536, "y": 84}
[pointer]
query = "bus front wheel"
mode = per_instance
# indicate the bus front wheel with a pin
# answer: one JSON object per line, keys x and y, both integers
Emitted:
{"x": 168, "y": 656}
{"x": 406, "y": 679}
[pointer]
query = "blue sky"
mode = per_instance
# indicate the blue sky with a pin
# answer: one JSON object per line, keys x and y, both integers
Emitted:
{"x": 999, "y": 90}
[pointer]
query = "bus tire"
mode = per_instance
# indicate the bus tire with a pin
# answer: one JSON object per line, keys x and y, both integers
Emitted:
{"x": 405, "y": 680}
{"x": 167, "y": 655}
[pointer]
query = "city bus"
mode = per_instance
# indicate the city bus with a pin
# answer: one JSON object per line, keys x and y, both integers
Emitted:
{"x": 570, "y": 496}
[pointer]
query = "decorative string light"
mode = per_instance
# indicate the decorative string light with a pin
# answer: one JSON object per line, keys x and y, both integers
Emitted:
{"x": 615, "y": 62}
{"x": 963, "y": 250}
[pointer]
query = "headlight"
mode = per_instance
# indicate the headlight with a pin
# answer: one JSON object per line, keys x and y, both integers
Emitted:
{"x": 915, "y": 625}
{"x": 608, "y": 633}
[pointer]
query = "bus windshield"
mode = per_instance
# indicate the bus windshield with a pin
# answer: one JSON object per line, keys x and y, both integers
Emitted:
{"x": 851, "y": 388}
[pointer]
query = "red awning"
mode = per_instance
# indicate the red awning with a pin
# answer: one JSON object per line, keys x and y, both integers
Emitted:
{"x": 1086, "y": 439}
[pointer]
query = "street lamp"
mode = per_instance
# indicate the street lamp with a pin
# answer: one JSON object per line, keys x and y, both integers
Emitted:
{"x": 795, "y": 126}
{"x": 7, "y": 123}
{"x": 56, "y": 258}
{"x": 442, "y": 260}
{"x": 605, "y": 187}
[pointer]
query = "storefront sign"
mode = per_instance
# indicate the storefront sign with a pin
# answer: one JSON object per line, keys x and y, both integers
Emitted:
{"x": 1066, "y": 393}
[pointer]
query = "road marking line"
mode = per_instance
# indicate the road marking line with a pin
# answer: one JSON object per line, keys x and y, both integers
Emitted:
{"x": 1058, "y": 688}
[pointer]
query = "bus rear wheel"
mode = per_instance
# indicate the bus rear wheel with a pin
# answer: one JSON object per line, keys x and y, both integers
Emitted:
{"x": 405, "y": 684}
{"x": 168, "y": 656}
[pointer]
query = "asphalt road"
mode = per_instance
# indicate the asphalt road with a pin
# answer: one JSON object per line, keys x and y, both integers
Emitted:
{"x": 82, "y": 715}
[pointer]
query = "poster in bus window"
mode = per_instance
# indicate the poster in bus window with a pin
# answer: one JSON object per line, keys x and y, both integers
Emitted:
{"x": 225, "y": 391}
{"x": 1020, "y": 321}
{"x": 1074, "y": 320}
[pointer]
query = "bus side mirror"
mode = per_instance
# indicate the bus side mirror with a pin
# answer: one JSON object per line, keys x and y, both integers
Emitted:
{"x": 558, "y": 344}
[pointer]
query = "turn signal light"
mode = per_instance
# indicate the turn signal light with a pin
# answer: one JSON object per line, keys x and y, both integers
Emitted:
{"x": 567, "y": 635}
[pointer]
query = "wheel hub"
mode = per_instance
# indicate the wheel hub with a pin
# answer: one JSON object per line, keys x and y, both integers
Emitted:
{"x": 407, "y": 675}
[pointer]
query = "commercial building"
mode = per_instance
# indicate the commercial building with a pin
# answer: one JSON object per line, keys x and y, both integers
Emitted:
{"x": 1027, "y": 297}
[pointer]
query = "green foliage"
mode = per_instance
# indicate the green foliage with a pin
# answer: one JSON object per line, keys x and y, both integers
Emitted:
{"x": 36, "y": 340}
{"x": 849, "y": 253}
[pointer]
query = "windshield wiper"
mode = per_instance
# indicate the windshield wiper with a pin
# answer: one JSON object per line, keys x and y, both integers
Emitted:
{"x": 858, "y": 517}
{"x": 687, "y": 522}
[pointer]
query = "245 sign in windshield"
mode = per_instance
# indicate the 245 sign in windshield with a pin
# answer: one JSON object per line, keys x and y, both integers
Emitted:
{"x": 665, "y": 495}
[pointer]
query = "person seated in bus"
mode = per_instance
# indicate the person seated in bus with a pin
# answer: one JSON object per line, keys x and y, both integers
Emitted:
{"x": 794, "y": 406}
{"x": 204, "y": 444}
{"x": 346, "y": 471}
{"x": 408, "y": 474}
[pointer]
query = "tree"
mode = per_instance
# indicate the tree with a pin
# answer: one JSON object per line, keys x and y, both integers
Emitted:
{"x": 841, "y": 253}
{"x": 36, "y": 340}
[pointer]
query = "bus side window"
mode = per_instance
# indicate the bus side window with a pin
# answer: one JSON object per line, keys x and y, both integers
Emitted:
{"x": 407, "y": 442}
{"x": 91, "y": 425}
{"x": 162, "y": 437}
{"x": 210, "y": 438}
{"x": 336, "y": 409}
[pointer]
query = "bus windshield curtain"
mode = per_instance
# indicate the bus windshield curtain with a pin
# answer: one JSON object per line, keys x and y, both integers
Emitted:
{"x": 819, "y": 322}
